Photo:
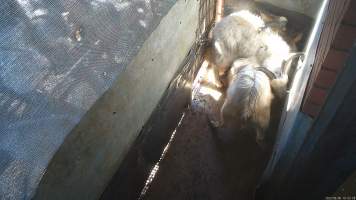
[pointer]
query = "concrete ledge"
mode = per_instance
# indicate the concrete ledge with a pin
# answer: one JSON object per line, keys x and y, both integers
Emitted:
{"x": 93, "y": 151}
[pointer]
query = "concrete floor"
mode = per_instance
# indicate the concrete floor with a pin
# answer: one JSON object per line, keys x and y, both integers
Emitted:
{"x": 196, "y": 167}
{"x": 202, "y": 163}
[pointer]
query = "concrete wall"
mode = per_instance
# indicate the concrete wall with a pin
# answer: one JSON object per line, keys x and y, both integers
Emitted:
{"x": 93, "y": 151}
{"x": 307, "y": 7}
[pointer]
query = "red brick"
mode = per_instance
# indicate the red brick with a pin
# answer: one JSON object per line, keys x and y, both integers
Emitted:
{"x": 326, "y": 79}
{"x": 317, "y": 96}
{"x": 350, "y": 15}
{"x": 345, "y": 37}
{"x": 311, "y": 109}
{"x": 335, "y": 60}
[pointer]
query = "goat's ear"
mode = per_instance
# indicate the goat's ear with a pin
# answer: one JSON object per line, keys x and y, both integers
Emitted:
{"x": 265, "y": 17}
{"x": 237, "y": 64}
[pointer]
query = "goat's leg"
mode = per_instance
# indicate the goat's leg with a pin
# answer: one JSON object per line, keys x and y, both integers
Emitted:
{"x": 260, "y": 137}
{"x": 261, "y": 126}
{"x": 217, "y": 81}
{"x": 279, "y": 86}
{"x": 222, "y": 114}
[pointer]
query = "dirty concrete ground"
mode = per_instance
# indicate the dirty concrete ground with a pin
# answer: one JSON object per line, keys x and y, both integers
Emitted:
{"x": 197, "y": 167}
{"x": 206, "y": 163}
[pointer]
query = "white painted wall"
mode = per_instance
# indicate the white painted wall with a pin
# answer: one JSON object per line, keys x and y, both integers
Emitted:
{"x": 307, "y": 7}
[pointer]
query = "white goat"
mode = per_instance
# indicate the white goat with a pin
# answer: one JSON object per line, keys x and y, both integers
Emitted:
{"x": 248, "y": 98}
{"x": 257, "y": 60}
{"x": 244, "y": 34}
{"x": 249, "y": 95}
{"x": 231, "y": 38}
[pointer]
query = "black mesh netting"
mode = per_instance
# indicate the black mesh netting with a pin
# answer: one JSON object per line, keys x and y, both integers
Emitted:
{"x": 57, "y": 57}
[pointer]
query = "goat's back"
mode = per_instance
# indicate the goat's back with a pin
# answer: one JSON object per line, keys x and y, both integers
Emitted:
{"x": 234, "y": 37}
{"x": 250, "y": 96}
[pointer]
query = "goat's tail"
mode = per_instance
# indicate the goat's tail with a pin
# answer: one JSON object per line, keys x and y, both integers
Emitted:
{"x": 249, "y": 101}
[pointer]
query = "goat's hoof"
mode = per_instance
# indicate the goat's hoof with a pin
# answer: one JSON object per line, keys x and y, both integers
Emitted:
{"x": 215, "y": 124}
{"x": 262, "y": 144}
{"x": 219, "y": 84}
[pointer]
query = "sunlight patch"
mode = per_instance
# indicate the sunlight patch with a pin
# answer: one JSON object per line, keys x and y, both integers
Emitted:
{"x": 216, "y": 95}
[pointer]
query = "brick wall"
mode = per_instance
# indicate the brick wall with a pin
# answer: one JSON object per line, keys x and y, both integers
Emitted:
{"x": 337, "y": 38}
